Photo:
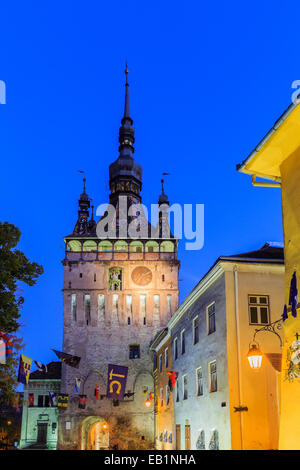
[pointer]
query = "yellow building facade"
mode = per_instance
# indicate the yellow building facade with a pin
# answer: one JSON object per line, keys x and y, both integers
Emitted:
{"x": 277, "y": 158}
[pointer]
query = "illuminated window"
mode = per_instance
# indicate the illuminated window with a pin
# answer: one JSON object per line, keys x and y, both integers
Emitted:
{"x": 259, "y": 312}
{"x": 157, "y": 302}
{"x": 129, "y": 303}
{"x": 169, "y": 301}
{"x": 115, "y": 302}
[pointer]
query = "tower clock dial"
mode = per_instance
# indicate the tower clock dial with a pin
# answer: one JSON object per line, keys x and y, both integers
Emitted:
{"x": 141, "y": 276}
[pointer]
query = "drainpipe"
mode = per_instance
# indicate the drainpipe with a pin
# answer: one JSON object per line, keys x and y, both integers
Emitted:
{"x": 264, "y": 184}
{"x": 238, "y": 348}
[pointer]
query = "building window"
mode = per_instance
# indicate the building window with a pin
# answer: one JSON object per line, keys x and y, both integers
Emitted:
{"x": 177, "y": 392}
{"x": 200, "y": 444}
{"x": 175, "y": 346}
{"x": 115, "y": 279}
{"x": 167, "y": 394}
{"x": 183, "y": 342}
{"x": 259, "y": 312}
{"x": 160, "y": 363}
{"x": 87, "y": 308}
{"x": 166, "y": 436}
{"x": 184, "y": 387}
{"x": 115, "y": 302}
{"x": 134, "y": 351}
{"x": 157, "y": 303}
{"x": 213, "y": 386}
{"x": 143, "y": 308}
{"x": 74, "y": 307}
{"x": 211, "y": 318}
{"x": 167, "y": 357}
{"x": 214, "y": 441}
{"x": 196, "y": 330}
{"x": 199, "y": 381}
{"x": 101, "y": 305}
{"x": 170, "y": 438}
{"x": 129, "y": 303}
{"x": 161, "y": 397}
{"x": 169, "y": 300}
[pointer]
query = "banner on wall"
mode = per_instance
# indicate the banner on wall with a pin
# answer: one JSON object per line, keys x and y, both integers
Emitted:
{"x": 24, "y": 369}
{"x": 116, "y": 381}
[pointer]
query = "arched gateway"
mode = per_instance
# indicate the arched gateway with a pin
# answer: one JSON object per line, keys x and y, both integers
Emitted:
{"x": 94, "y": 434}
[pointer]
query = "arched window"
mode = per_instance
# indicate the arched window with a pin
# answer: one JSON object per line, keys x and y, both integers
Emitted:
{"x": 167, "y": 247}
{"x": 152, "y": 247}
{"x": 136, "y": 247}
{"x": 74, "y": 245}
{"x": 90, "y": 245}
{"x": 105, "y": 245}
{"x": 121, "y": 246}
{"x": 214, "y": 440}
{"x": 200, "y": 444}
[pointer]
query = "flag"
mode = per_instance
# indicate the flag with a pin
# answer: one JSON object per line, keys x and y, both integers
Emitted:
{"x": 284, "y": 315}
{"x": 41, "y": 367}
{"x": 172, "y": 379}
{"x": 63, "y": 400}
{"x": 82, "y": 401}
{"x": 24, "y": 369}
{"x": 8, "y": 339}
{"x": 76, "y": 386}
{"x": 31, "y": 399}
{"x": 97, "y": 392}
{"x": 52, "y": 399}
{"x": 293, "y": 300}
{"x": 2, "y": 351}
{"x": 116, "y": 381}
{"x": 68, "y": 359}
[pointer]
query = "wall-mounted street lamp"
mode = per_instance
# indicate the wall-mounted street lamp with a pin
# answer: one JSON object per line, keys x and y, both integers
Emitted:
{"x": 254, "y": 354}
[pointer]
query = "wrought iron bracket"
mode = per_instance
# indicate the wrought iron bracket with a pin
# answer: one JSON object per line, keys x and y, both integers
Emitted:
{"x": 271, "y": 328}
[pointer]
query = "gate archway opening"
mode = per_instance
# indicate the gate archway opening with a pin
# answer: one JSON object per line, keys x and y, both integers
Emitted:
{"x": 94, "y": 433}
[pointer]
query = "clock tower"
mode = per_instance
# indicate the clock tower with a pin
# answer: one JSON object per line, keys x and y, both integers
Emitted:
{"x": 118, "y": 293}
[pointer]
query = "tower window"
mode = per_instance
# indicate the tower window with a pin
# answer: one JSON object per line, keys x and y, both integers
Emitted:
{"x": 129, "y": 303}
{"x": 87, "y": 308}
{"x": 163, "y": 278}
{"x": 128, "y": 321}
{"x": 95, "y": 277}
{"x": 134, "y": 351}
{"x": 157, "y": 302}
{"x": 169, "y": 301}
{"x": 115, "y": 279}
{"x": 101, "y": 305}
{"x": 74, "y": 307}
{"x": 80, "y": 275}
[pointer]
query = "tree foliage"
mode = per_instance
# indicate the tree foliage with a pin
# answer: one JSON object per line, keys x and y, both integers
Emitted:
{"x": 14, "y": 267}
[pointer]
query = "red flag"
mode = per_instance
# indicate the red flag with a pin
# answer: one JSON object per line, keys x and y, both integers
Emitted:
{"x": 97, "y": 392}
{"x": 173, "y": 375}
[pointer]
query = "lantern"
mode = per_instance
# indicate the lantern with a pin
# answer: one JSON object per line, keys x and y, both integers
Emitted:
{"x": 254, "y": 357}
{"x": 148, "y": 403}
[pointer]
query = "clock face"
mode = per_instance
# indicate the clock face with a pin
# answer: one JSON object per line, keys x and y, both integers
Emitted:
{"x": 141, "y": 276}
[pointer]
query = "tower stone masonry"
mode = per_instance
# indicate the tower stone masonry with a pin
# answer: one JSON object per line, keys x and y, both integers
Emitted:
{"x": 117, "y": 294}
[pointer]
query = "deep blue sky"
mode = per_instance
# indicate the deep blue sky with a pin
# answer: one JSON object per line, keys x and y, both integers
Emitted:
{"x": 208, "y": 80}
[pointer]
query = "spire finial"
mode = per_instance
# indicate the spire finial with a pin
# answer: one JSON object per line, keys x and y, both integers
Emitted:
{"x": 84, "y": 181}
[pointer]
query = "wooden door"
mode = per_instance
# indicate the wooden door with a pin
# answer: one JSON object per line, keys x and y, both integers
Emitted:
{"x": 178, "y": 437}
{"x": 187, "y": 437}
{"x": 42, "y": 433}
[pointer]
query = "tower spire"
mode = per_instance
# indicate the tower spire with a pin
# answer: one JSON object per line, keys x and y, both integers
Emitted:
{"x": 126, "y": 107}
